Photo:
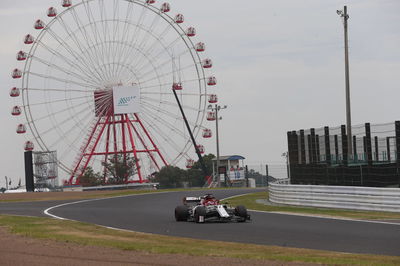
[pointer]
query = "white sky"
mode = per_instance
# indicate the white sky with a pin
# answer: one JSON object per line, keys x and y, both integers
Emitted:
{"x": 279, "y": 66}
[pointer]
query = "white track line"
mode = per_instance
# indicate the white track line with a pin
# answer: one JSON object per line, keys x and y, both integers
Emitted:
{"x": 47, "y": 211}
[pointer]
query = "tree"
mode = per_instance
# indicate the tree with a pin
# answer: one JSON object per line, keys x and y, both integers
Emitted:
{"x": 119, "y": 168}
{"x": 90, "y": 178}
{"x": 195, "y": 175}
{"x": 170, "y": 177}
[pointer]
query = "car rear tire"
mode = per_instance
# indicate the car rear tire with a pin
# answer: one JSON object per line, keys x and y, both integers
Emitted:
{"x": 241, "y": 211}
{"x": 181, "y": 213}
{"x": 200, "y": 214}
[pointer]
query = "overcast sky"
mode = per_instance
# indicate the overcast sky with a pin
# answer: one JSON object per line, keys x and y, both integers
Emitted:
{"x": 279, "y": 66}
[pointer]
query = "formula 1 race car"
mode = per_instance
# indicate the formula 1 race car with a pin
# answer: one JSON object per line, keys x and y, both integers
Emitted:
{"x": 208, "y": 208}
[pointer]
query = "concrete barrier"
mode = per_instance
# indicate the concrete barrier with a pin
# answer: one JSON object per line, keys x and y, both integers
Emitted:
{"x": 357, "y": 198}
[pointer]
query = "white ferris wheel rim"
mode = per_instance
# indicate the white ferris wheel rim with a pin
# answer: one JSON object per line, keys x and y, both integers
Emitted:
{"x": 196, "y": 125}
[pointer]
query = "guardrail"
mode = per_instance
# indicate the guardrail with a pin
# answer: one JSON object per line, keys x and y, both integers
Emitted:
{"x": 357, "y": 198}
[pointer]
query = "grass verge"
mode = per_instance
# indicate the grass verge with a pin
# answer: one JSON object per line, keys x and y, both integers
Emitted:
{"x": 249, "y": 201}
{"x": 87, "y": 234}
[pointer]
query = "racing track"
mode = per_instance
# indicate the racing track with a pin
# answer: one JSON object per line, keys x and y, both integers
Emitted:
{"x": 153, "y": 213}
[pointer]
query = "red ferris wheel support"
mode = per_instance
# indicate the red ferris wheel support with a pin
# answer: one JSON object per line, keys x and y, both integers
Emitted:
{"x": 114, "y": 134}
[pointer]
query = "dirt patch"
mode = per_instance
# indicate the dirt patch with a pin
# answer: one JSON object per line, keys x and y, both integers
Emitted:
{"x": 18, "y": 250}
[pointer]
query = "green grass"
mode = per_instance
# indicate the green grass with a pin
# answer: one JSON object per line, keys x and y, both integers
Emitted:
{"x": 87, "y": 234}
{"x": 249, "y": 201}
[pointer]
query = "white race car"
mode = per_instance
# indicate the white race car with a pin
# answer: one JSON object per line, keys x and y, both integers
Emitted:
{"x": 208, "y": 208}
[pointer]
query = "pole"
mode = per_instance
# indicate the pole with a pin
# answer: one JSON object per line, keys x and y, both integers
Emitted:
{"x": 217, "y": 139}
{"x": 6, "y": 182}
{"x": 203, "y": 166}
{"x": 266, "y": 173}
{"x": 348, "y": 108}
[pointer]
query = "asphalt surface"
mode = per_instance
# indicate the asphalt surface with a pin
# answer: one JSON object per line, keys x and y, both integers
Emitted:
{"x": 154, "y": 213}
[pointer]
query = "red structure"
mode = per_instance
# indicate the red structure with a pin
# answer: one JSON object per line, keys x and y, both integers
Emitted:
{"x": 122, "y": 134}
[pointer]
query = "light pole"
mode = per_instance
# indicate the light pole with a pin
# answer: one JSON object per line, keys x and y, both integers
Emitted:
{"x": 216, "y": 109}
{"x": 343, "y": 14}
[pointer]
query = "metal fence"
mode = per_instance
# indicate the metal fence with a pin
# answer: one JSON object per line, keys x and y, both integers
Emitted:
{"x": 320, "y": 156}
{"x": 357, "y": 198}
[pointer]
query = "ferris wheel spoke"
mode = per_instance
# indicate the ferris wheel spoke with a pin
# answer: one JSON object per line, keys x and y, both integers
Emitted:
{"x": 168, "y": 74}
{"x": 61, "y": 79}
{"x": 161, "y": 121}
{"x": 75, "y": 54}
{"x": 58, "y": 90}
{"x": 54, "y": 101}
{"x": 158, "y": 40}
{"x": 77, "y": 139}
{"x": 95, "y": 30}
{"x": 186, "y": 107}
{"x": 87, "y": 59}
{"x": 160, "y": 132}
{"x": 173, "y": 116}
{"x": 135, "y": 36}
{"x": 116, "y": 32}
{"x": 72, "y": 64}
{"x": 54, "y": 113}
{"x": 161, "y": 65}
{"x": 70, "y": 73}
{"x": 106, "y": 35}
{"x": 171, "y": 93}
{"x": 125, "y": 31}
{"x": 168, "y": 85}
{"x": 167, "y": 49}
{"x": 55, "y": 126}
{"x": 93, "y": 52}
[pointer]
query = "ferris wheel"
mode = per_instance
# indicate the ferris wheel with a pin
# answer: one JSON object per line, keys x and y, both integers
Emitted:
{"x": 94, "y": 56}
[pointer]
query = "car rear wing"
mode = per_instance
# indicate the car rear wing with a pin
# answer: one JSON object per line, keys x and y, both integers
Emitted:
{"x": 191, "y": 200}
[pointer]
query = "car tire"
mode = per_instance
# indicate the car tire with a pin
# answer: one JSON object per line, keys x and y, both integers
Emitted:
{"x": 200, "y": 214}
{"x": 181, "y": 213}
{"x": 241, "y": 211}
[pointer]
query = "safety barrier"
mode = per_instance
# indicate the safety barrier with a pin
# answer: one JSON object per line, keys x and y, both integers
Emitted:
{"x": 340, "y": 197}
